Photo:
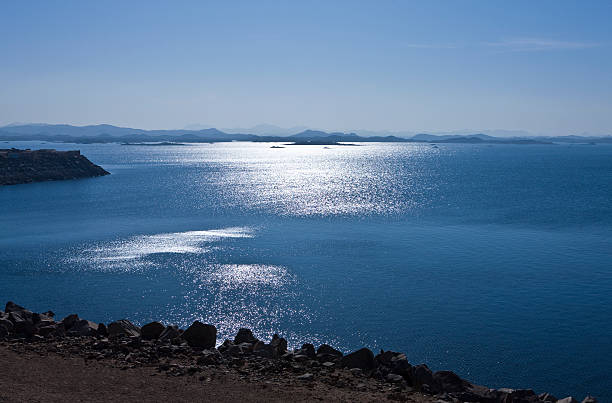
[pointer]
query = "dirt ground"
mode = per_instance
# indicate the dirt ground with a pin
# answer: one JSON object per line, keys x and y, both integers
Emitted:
{"x": 31, "y": 377}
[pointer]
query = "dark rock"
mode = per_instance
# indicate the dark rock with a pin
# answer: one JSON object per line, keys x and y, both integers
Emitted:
{"x": 7, "y": 324}
{"x": 362, "y": 358}
{"x": 422, "y": 376}
{"x": 448, "y": 381}
{"x": 306, "y": 377}
{"x": 327, "y": 350}
{"x": 152, "y": 330}
{"x": 102, "y": 330}
{"x": 394, "y": 378}
{"x": 70, "y": 320}
{"x": 308, "y": 350}
{"x": 83, "y": 328}
{"x": 279, "y": 345}
{"x": 47, "y": 330}
{"x": 201, "y": 335}
{"x": 13, "y": 307}
{"x": 547, "y": 397}
{"x": 3, "y": 331}
{"x": 22, "y": 322}
{"x": 245, "y": 336}
{"x": 262, "y": 349}
{"x": 169, "y": 333}
{"x": 123, "y": 327}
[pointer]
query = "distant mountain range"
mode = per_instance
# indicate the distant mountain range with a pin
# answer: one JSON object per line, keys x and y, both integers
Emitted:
{"x": 109, "y": 134}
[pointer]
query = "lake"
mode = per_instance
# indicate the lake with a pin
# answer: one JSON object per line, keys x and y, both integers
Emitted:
{"x": 494, "y": 261}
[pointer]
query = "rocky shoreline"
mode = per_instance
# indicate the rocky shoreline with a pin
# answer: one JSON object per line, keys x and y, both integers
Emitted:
{"x": 26, "y": 166}
{"x": 194, "y": 352}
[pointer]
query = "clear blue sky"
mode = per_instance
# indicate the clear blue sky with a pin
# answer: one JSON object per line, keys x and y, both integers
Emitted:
{"x": 542, "y": 66}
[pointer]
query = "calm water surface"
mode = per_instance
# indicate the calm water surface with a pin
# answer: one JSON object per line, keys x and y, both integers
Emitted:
{"x": 493, "y": 261}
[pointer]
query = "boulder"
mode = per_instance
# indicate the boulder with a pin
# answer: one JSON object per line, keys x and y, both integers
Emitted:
{"x": 307, "y": 350}
{"x": 201, "y": 335}
{"x": 328, "y": 351}
{"x": 589, "y": 399}
{"x": 152, "y": 330}
{"x": 123, "y": 327}
{"x": 13, "y": 307}
{"x": 547, "y": 397}
{"x": 568, "y": 399}
{"x": 70, "y": 320}
{"x": 3, "y": 331}
{"x": 22, "y": 322}
{"x": 279, "y": 345}
{"x": 448, "y": 381}
{"x": 245, "y": 336}
{"x": 262, "y": 349}
{"x": 47, "y": 330}
{"x": 83, "y": 328}
{"x": 7, "y": 324}
{"x": 169, "y": 333}
{"x": 422, "y": 376}
{"x": 362, "y": 359}
{"x": 102, "y": 330}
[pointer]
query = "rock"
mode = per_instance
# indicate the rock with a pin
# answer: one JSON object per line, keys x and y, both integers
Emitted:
{"x": 102, "y": 330}
{"x": 152, "y": 331}
{"x": 123, "y": 327}
{"x": 244, "y": 336}
{"x": 279, "y": 345}
{"x": 362, "y": 358}
{"x": 4, "y": 332}
{"x": 84, "y": 328}
{"x": 262, "y": 349}
{"x": 209, "y": 357}
{"x": 306, "y": 377}
{"x": 22, "y": 322}
{"x": 589, "y": 399}
{"x": 448, "y": 381}
{"x": 47, "y": 330}
{"x": 328, "y": 351}
{"x": 201, "y": 335}
{"x": 13, "y": 307}
{"x": 568, "y": 399}
{"x": 394, "y": 378}
{"x": 308, "y": 350}
{"x": 169, "y": 333}
{"x": 547, "y": 397}
{"x": 7, "y": 324}
{"x": 70, "y": 320}
{"x": 422, "y": 376}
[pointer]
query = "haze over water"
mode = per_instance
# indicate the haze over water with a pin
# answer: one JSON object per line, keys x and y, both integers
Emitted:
{"x": 493, "y": 261}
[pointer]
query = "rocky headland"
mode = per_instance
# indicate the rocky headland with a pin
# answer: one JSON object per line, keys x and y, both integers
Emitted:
{"x": 254, "y": 367}
{"x": 25, "y": 166}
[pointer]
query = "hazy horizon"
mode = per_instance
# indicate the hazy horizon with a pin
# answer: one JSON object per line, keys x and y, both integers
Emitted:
{"x": 397, "y": 67}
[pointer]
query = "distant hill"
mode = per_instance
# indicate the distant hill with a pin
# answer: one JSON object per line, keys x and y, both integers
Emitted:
{"x": 107, "y": 134}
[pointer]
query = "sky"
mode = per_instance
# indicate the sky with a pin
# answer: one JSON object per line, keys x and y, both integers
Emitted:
{"x": 540, "y": 66}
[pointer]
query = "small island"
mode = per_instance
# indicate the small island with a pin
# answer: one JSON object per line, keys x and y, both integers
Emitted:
{"x": 26, "y": 166}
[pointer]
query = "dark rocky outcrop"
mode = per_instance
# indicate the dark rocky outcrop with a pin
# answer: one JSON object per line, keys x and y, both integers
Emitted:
{"x": 152, "y": 330}
{"x": 25, "y": 166}
{"x": 123, "y": 327}
{"x": 201, "y": 335}
{"x": 244, "y": 336}
{"x": 362, "y": 359}
{"x": 127, "y": 345}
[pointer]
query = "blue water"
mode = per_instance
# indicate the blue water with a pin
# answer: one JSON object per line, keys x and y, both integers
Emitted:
{"x": 492, "y": 261}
